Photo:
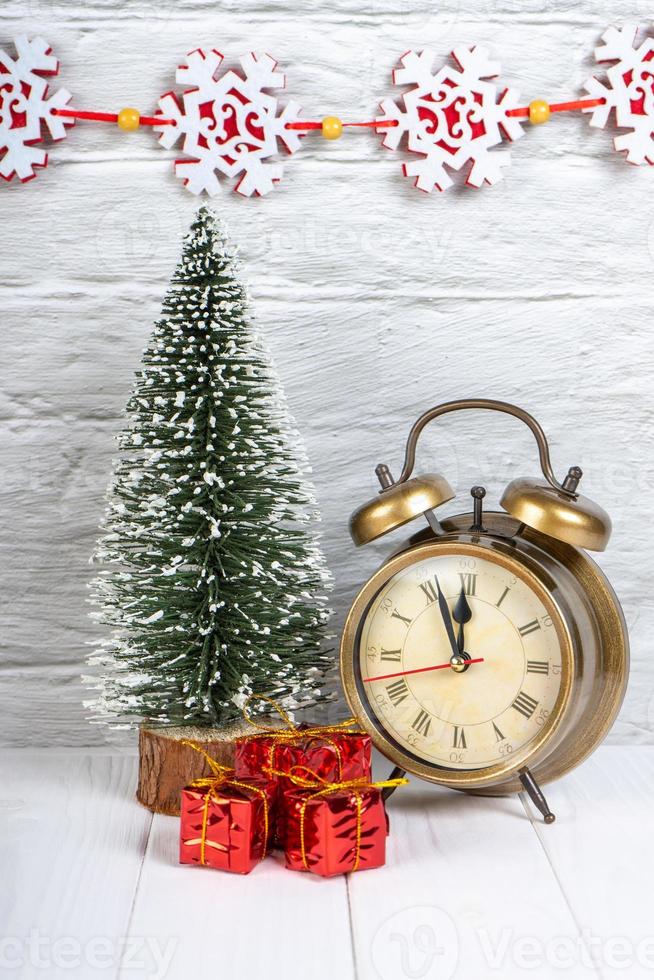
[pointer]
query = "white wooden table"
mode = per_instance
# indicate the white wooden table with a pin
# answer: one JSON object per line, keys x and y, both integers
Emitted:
{"x": 473, "y": 888}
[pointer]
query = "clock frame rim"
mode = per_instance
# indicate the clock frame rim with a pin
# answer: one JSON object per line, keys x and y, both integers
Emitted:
{"x": 613, "y": 641}
{"x": 487, "y": 778}
{"x": 595, "y": 721}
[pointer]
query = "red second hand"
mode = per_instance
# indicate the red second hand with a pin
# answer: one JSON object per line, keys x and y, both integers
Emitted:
{"x": 419, "y": 670}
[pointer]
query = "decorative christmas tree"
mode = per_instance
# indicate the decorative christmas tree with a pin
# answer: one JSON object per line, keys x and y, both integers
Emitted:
{"x": 213, "y": 580}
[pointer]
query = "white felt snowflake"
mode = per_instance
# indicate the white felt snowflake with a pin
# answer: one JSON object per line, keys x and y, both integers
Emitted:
{"x": 629, "y": 91}
{"x": 25, "y": 106}
{"x": 228, "y": 123}
{"x": 451, "y": 118}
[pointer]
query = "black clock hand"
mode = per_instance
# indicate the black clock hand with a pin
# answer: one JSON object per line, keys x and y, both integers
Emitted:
{"x": 462, "y": 614}
{"x": 447, "y": 619}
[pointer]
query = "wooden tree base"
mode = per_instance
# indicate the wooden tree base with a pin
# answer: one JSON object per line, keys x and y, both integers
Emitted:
{"x": 166, "y": 766}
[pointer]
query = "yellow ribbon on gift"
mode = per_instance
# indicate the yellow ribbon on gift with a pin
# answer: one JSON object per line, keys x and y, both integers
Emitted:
{"x": 222, "y": 776}
{"x": 292, "y": 733}
{"x": 324, "y": 788}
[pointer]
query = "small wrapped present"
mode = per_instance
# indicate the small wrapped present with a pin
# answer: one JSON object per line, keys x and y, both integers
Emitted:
{"x": 227, "y": 823}
{"x": 334, "y": 828}
{"x": 332, "y": 752}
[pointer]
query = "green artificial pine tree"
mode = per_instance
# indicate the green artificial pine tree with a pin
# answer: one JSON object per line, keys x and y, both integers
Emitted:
{"x": 213, "y": 582}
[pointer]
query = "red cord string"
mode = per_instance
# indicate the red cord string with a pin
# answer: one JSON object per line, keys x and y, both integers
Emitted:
{"x": 110, "y": 117}
{"x": 306, "y": 125}
{"x": 561, "y": 106}
{"x": 303, "y": 125}
{"x": 373, "y": 124}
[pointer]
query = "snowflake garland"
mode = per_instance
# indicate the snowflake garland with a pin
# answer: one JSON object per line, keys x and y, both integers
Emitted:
{"x": 629, "y": 92}
{"x": 451, "y": 118}
{"x": 228, "y": 123}
{"x": 25, "y": 107}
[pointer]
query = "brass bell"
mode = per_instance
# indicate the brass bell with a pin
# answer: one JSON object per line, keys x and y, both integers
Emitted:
{"x": 553, "y": 508}
{"x": 398, "y": 505}
{"x": 575, "y": 519}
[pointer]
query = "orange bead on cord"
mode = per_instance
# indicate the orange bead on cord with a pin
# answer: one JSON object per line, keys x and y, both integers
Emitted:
{"x": 129, "y": 119}
{"x": 539, "y": 111}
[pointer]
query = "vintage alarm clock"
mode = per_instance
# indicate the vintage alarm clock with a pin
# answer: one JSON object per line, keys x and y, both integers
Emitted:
{"x": 489, "y": 654}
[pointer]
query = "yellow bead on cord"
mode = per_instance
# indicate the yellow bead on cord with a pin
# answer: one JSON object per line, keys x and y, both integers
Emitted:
{"x": 539, "y": 111}
{"x": 332, "y": 127}
{"x": 129, "y": 119}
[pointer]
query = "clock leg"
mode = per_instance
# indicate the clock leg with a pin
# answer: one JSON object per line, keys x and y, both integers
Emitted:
{"x": 535, "y": 794}
{"x": 396, "y": 774}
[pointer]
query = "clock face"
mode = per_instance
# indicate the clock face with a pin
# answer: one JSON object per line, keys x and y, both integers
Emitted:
{"x": 464, "y": 701}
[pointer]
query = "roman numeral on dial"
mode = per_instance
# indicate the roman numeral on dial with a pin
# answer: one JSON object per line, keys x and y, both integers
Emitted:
{"x": 502, "y": 597}
{"x": 525, "y": 704}
{"x": 430, "y": 591}
{"x": 529, "y": 628}
{"x": 468, "y": 582}
{"x": 538, "y": 667}
{"x": 396, "y": 615}
{"x": 391, "y": 655}
{"x": 459, "y": 739}
{"x": 422, "y": 723}
{"x": 398, "y": 691}
{"x": 498, "y": 734}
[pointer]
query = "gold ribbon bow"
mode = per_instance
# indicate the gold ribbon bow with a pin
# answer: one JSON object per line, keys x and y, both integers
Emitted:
{"x": 292, "y": 733}
{"x": 222, "y": 776}
{"x": 324, "y": 787}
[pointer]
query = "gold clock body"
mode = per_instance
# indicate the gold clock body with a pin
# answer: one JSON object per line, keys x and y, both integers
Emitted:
{"x": 591, "y": 631}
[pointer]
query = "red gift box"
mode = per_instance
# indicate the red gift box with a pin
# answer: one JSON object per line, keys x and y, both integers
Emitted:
{"x": 330, "y": 752}
{"x": 335, "y": 830}
{"x": 227, "y": 823}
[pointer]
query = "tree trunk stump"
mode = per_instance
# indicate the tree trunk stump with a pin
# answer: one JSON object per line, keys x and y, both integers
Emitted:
{"x": 166, "y": 766}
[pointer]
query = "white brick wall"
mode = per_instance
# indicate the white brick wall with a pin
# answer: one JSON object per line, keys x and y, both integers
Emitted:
{"x": 376, "y": 300}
